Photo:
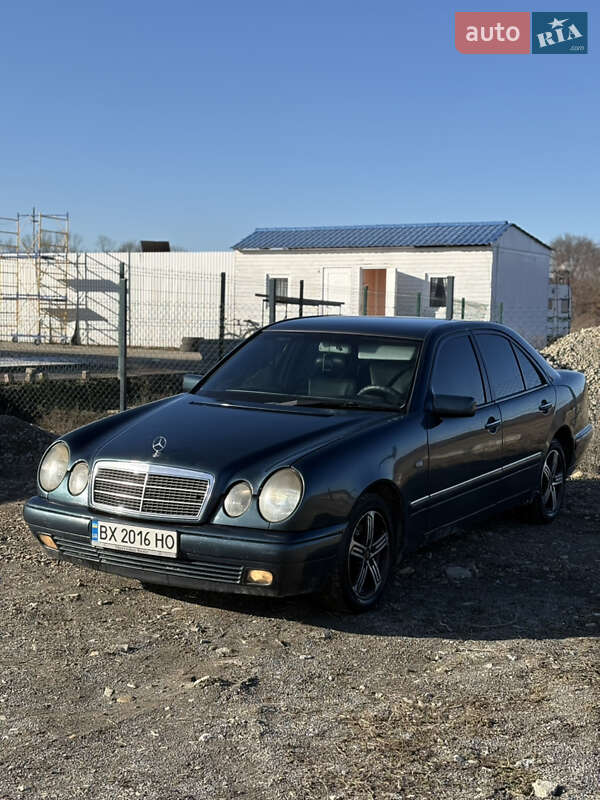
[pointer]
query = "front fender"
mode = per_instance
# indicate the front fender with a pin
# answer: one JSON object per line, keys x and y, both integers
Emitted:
{"x": 336, "y": 476}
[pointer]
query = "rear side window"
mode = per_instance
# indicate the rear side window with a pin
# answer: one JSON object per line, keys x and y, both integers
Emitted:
{"x": 501, "y": 364}
{"x": 456, "y": 370}
{"x": 531, "y": 374}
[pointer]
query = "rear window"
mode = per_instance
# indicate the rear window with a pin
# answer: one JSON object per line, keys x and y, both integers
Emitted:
{"x": 531, "y": 374}
{"x": 501, "y": 365}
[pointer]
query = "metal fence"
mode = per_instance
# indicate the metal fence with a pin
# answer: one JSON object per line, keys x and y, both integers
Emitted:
{"x": 133, "y": 325}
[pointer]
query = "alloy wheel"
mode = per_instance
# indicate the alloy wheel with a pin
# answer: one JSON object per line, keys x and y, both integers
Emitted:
{"x": 553, "y": 482}
{"x": 369, "y": 555}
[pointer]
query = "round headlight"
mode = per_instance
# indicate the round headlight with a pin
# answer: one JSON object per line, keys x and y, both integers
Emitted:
{"x": 79, "y": 477}
{"x": 54, "y": 466}
{"x": 280, "y": 495}
{"x": 238, "y": 499}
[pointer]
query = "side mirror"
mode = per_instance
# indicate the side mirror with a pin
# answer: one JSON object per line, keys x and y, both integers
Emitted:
{"x": 190, "y": 380}
{"x": 453, "y": 405}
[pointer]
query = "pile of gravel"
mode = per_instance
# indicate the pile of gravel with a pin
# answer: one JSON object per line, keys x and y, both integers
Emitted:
{"x": 581, "y": 351}
{"x": 21, "y": 445}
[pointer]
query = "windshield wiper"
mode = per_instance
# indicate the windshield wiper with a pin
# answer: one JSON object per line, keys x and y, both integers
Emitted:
{"x": 316, "y": 402}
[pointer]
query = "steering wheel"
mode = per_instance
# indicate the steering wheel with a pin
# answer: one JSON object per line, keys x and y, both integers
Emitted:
{"x": 389, "y": 394}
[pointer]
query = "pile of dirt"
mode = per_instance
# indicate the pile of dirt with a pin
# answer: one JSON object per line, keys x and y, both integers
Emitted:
{"x": 580, "y": 350}
{"x": 21, "y": 445}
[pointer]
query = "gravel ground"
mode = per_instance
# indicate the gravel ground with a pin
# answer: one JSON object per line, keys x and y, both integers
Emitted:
{"x": 580, "y": 350}
{"x": 482, "y": 686}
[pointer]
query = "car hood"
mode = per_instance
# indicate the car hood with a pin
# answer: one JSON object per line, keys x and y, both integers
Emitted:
{"x": 226, "y": 440}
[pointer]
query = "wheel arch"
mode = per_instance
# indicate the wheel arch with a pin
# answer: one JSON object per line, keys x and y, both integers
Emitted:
{"x": 565, "y": 437}
{"x": 392, "y": 496}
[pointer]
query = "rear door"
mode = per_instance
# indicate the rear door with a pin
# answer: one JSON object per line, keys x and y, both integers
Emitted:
{"x": 464, "y": 452}
{"x": 526, "y": 404}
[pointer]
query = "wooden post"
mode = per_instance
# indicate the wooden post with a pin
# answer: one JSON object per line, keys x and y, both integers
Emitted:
{"x": 450, "y": 297}
{"x": 365, "y": 300}
{"x": 272, "y": 301}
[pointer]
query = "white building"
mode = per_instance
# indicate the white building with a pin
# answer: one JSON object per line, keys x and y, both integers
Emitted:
{"x": 500, "y": 271}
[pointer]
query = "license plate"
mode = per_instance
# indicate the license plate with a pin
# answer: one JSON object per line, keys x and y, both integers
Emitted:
{"x": 118, "y": 536}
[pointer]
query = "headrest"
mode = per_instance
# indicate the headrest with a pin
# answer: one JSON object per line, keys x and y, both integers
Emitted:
{"x": 331, "y": 365}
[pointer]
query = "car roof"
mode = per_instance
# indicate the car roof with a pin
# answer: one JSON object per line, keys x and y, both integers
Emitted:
{"x": 411, "y": 327}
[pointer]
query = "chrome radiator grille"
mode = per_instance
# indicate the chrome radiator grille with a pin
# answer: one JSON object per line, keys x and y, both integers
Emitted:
{"x": 149, "y": 490}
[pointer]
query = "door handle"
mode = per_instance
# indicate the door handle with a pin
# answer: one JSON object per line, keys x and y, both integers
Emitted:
{"x": 493, "y": 424}
{"x": 545, "y": 406}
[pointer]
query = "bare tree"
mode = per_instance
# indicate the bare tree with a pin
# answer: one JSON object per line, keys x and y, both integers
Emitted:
{"x": 579, "y": 256}
{"x": 105, "y": 244}
{"x": 130, "y": 246}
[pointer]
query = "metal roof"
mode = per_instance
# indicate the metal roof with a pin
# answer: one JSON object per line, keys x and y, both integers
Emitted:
{"x": 426, "y": 234}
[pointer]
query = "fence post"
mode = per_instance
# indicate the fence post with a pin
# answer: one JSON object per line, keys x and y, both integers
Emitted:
{"x": 418, "y": 304}
{"x": 462, "y": 308}
{"x": 272, "y": 301}
{"x": 122, "y": 338}
{"x": 450, "y": 297}
{"x": 222, "y": 317}
{"x": 301, "y": 297}
{"x": 365, "y": 300}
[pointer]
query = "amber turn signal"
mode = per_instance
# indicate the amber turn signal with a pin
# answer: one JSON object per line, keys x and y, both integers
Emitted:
{"x": 48, "y": 541}
{"x": 259, "y": 576}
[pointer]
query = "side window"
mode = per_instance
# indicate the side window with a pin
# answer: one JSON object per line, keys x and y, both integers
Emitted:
{"x": 530, "y": 372}
{"x": 456, "y": 370}
{"x": 501, "y": 364}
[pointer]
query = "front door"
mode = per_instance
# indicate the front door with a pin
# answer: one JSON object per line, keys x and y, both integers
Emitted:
{"x": 464, "y": 452}
{"x": 526, "y": 403}
{"x": 374, "y": 281}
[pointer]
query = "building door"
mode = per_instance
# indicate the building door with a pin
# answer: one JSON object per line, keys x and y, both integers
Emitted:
{"x": 374, "y": 280}
{"x": 337, "y": 286}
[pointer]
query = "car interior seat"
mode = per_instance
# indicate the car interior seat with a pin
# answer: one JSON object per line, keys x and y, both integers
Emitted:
{"x": 333, "y": 376}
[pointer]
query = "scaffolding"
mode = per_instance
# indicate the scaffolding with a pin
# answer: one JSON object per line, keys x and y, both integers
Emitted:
{"x": 35, "y": 269}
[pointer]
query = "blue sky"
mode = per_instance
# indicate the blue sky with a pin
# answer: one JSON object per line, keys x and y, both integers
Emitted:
{"x": 197, "y": 122}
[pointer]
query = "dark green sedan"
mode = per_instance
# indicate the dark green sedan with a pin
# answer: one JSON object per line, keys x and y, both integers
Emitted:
{"x": 314, "y": 456}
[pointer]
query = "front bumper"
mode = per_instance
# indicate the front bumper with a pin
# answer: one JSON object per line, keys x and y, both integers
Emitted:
{"x": 210, "y": 557}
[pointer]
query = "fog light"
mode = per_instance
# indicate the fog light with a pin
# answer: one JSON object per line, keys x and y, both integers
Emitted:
{"x": 259, "y": 576}
{"x": 48, "y": 541}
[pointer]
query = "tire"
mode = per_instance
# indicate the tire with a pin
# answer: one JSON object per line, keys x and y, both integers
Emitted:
{"x": 362, "y": 575}
{"x": 550, "y": 494}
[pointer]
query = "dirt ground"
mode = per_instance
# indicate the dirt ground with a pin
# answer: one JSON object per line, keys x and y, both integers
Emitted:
{"x": 470, "y": 688}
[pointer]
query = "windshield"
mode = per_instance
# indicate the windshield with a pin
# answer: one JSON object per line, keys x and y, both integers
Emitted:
{"x": 329, "y": 370}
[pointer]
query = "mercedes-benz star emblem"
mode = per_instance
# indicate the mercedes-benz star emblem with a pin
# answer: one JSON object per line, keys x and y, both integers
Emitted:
{"x": 158, "y": 445}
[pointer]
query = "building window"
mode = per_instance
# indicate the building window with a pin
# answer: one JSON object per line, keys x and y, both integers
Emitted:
{"x": 564, "y": 306}
{"x": 437, "y": 292}
{"x": 281, "y": 286}
{"x": 550, "y": 303}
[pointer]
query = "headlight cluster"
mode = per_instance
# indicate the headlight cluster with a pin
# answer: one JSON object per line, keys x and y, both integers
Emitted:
{"x": 54, "y": 467}
{"x": 278, "y": 499}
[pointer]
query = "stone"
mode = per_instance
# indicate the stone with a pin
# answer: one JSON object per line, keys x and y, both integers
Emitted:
{"x": 125, "y": 698}
{"x": 458, "y": 573}
{"x": 108, "y": 691}
{"x": 542, "y": 788}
